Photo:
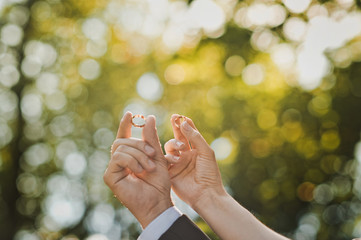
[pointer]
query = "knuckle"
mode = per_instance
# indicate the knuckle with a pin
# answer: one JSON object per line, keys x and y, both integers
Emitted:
{"x": 115, "y": 155}
{"x": 140, "y": 144}
{"x": 173, "y": 142}
{"x": 121, "y": 148}
{"x": 195, "y": 134}
{"x": 116, "y": 142}
{"x": 168, "y": 143}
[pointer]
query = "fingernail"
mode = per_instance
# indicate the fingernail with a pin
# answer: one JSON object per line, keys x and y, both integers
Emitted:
{"x": 176, "y": 158}
{"x": 179, "y": 144}
{"x": 148, "y": 149}
{"x": 151, "y": 163}
{"x": 186, "y": 126}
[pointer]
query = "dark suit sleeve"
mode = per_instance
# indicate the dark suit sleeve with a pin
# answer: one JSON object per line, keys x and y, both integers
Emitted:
{"x": 184, "y": 229}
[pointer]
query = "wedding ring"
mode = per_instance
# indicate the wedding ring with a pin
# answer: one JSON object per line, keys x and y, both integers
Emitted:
{"x": 138, "y": 125}
{"x": 178, "y": 121}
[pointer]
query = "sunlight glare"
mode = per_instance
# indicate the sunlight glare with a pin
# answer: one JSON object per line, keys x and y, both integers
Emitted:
{"x": 64, "y": 212}
{"x": 75, "y": 164}
{"x": 94, "y": 29}
{"x": 208, "y": 15}
{"x": 11, "y": 34}
{"x": 222, "y": 148}
{"x": 297, "y": 6}
{"x": 149, "y": 87}
{"x": 89, "y": 69}
{"x": 283, "y": 55}
{"x": 253, "y": 74}
{"x": 295, "y": 29}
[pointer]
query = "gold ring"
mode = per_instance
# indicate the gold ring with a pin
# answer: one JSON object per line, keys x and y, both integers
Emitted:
{"x": 178, "y": 121}
{"x": 138, "y": 125}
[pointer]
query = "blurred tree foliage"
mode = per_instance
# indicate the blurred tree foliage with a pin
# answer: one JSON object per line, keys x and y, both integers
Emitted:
{"x": 288, "y": 149}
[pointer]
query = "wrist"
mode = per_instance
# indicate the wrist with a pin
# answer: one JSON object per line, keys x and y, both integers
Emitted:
{"x": 153, "y": 212}
{"x": 209, "y": 200}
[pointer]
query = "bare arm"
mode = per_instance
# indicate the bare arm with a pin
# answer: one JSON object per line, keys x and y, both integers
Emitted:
{"x": 230, "y": 220}
{"x": 196, "y": 179}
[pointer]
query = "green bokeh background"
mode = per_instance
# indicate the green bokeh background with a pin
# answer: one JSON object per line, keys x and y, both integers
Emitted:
{"x": 293, "y": 158}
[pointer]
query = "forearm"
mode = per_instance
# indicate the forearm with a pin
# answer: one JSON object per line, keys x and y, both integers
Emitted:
{"x": 229, "y": 220}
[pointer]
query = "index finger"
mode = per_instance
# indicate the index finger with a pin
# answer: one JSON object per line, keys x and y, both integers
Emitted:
{"x": 125, "y": 126}
{"x": 177, "y": 132}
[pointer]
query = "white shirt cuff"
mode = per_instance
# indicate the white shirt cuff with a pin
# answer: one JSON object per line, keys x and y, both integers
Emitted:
{"x": 161, "y": 224}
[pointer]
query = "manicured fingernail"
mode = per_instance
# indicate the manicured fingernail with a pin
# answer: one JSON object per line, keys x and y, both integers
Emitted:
{"x": 148, "y": 149}
{"x": 186, "y": 126}
{"x": 176, "y": 158}
{"x": 179, "y": 144}
{"x": 151, "y": 163}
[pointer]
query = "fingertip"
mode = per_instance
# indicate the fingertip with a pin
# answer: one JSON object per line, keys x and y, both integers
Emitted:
{"x": 151, "y": 117}
{"x": 186, "y": 127}
{"x": 127, "y": 115}
{"x": 174, "y": 116}
{"x": 150, "y": 120}
{"x": 172, "y": 158}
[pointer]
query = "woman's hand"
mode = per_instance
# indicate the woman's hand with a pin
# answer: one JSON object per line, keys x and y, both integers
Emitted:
{"x": 194, "y": 172}
{"x": 196, "y": 179}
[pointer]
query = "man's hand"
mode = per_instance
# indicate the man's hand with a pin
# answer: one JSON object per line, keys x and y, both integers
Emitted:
{"x": 194, "y": 172}
{"x": 138, "y": 171}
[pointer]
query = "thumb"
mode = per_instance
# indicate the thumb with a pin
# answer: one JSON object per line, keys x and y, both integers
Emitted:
{"x": 195, "y": 138}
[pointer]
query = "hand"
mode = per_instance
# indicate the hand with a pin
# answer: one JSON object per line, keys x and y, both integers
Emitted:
{"x": 196, "y": 179}
{"x": 138, "y": 171}
{"x": 194, "y": 172}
